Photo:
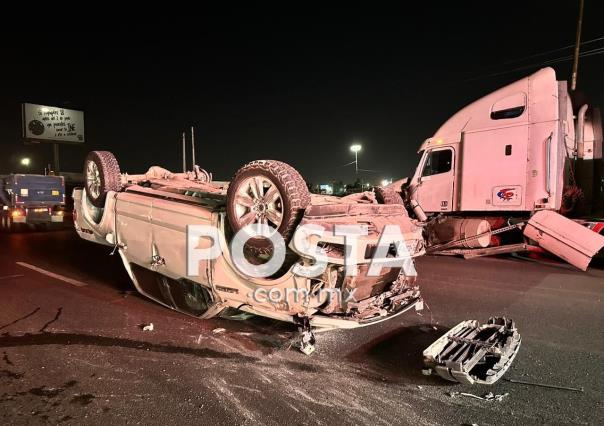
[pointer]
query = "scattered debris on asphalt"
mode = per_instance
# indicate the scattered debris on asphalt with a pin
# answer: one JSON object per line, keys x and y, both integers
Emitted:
{"x": 218, "y": 330}
{"x": 474, "y": 353}
{"x": 487, "y": 397}
{"x": 148, "y": 327}
{"x": 307, "y": 343}
{"x": 428, "y": 328}
{"x": 544, "y": 385}
{"x": 307, "y": 340}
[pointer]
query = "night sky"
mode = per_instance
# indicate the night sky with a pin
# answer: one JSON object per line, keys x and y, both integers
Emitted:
{"x": 296, "y": 87}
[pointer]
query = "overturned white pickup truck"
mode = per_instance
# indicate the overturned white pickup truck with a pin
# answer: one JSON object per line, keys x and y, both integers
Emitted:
{"x": 161, "y": 225}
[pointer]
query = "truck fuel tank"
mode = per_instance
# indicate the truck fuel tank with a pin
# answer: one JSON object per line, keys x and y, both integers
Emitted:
{"x": 453, "y": 229}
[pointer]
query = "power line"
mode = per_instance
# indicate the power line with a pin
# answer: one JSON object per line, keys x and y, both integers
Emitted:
{"x": 593, "y": 52}
{"x": 536, "y": 55}
{"x": 560, "y": 49}
{"x": 348, "y": 164}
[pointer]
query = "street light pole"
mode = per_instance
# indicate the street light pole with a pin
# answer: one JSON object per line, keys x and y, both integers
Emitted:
{"x": 356, "y": 148}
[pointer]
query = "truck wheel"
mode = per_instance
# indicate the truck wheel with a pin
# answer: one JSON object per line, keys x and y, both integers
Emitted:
{"x": 102, "y": 173}
{"x": 5, "y": 224}
{"x": 9, "y": 226}
{"x": 386, "y": 195}
{"x": 267, "y": 192}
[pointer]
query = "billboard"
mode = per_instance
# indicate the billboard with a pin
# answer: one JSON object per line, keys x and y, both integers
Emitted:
{"x": 54, "y": 124}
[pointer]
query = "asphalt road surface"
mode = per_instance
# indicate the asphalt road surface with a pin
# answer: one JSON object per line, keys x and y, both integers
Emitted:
{"x": 72, "y": 349}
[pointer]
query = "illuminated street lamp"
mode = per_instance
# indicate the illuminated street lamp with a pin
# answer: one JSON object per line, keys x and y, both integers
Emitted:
{"x": 386, "y": 182}
{"x": 25, "y": 162}
{"x": 356, "y": 148}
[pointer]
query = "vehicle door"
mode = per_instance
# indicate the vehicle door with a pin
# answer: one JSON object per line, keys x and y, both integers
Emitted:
{"x": 434, "y": 190}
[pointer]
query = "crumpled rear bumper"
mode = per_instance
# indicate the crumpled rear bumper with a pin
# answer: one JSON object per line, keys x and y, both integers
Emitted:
{"x": 333, "y": 322}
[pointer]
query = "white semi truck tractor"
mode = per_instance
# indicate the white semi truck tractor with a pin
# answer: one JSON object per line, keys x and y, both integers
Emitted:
{"x": 517, "y": 170}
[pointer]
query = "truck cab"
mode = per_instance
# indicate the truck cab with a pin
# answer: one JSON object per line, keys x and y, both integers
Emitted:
{"x": 514, "y": 150}
{"x": 520, "y": 158}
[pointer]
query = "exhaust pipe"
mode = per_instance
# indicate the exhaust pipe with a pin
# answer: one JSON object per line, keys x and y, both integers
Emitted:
{"x": 417, "y": 209}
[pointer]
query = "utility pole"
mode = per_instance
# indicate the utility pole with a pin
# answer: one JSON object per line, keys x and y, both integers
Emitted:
{"x": 573, "y": 84}
{"x": 193, "y": 144}
{"x": 184, "y": 153}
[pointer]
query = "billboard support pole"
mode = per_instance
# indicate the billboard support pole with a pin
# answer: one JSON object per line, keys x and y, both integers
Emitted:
{"x": 55, "y": 151}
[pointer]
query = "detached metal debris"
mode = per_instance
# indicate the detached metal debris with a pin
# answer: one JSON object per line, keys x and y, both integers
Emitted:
{"x": 488, "y": 397}
{"x": 545, "y": 385}
{"x": 473, "y": 353}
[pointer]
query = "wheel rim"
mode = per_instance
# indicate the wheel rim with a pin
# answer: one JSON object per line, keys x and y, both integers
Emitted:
{"x": 93, "y": 179}
{"x": 258, "y": 201}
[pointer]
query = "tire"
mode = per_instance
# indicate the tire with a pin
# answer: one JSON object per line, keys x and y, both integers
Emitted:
{"x": 12, "y": 227}
{"x": 287, "y": 193}
{"x": 102, "y": 174}
{"x": 4, "y": 223}
{"x": 386, "y": 195}
{"x": 8, "y": 226}
{"x": 53, "y": 227}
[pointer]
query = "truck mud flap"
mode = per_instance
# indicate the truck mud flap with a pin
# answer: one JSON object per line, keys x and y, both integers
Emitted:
{"x": 473, "y": 353}
{"x": 563, "y": 237}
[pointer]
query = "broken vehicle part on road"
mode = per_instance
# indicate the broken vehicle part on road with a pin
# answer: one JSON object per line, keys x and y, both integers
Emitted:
{"x": 545, "y": 385}
{"x": 490, "y": 397}
{"x": 473, "y": 353}
{"x": 565, "y": 238}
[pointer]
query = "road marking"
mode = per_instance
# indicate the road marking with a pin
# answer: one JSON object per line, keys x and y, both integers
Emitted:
{"x": 8, "y": 277}
{"x": 53, "y": 275}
